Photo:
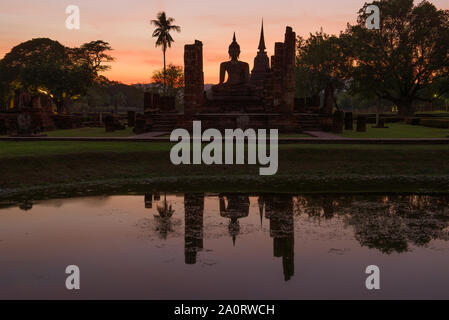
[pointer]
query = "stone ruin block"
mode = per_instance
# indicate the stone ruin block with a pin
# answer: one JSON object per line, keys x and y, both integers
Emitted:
{"x": 313, "y": 101}
{"x": 141, "y": 125}
{"x": 361, "y": 123}
{"x": 349, "y": 121}
{"x": 152, "y": 101}
{"x": 283, "y": 66}
{"x": 194, "y": 78}
{"x": 148, "y": 100}
{"x": 66, "y": 122}
{"x": 277, "y": 62}
{"x": 131, "y": 119}
{"x": 112, "y": 124}
{"x": 300, "y": 105}
{"x": 25, "y": 124}
{"x": 167, "y": 104}
{"x": 3, "y": 127}
{"x": 12, "y": 126}
{"x": 289, "y": 69}
{"x": 109, "y": 123}
{"x": 156, "y": 101}
{"x": 338, "y": 122}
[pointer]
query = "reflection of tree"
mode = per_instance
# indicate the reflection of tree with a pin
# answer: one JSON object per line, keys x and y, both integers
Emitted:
{"x": 164, "y": 219}
{"x": 374, "y": 229}
{"x": 320, "y": 206}
{"x": 401, "y": 221}
{"x": 384, "y": 222}
{"x": 26, "y": 206}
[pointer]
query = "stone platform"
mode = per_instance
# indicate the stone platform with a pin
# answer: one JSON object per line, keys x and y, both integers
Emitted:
{"x": 285, "y": 123}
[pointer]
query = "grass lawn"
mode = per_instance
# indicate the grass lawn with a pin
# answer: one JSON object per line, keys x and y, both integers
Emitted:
{"x": 399, "y": 130}
{"x": 299, "y": 135}
{"x": 302, "y": 168}
{"x": 282, "y": 136}
{"x": 90, "y": 132}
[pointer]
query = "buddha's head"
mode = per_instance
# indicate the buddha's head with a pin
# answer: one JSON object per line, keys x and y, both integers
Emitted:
{"x": 234, "y": 49}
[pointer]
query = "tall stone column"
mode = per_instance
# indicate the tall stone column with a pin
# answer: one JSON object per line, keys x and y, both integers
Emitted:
{"x": 194, "y": 78}
{"x": 289, "y": 70}
{"x": 277, "y": 62}
{"x": 283, "y": 65}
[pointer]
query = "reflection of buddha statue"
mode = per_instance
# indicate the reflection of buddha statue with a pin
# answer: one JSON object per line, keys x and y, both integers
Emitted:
{"x": 237, "y": 83}
{"x": 236, "y": 208}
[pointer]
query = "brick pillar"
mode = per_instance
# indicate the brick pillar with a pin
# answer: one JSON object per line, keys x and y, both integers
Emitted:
{"x": 148, "y": 100}
{"x": 276, "y": 65}
{"x": 194, "y": 78}
{"x": 283, "y": 65}
{"x": 289, "y": 71}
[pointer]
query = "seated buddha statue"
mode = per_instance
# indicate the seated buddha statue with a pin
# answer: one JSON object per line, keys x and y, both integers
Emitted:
{"x": 237, "y": 83}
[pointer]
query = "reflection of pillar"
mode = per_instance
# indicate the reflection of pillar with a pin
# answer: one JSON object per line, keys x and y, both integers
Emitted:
{"x": 261, "y": 209}
{"x": 279, "y": 209}
{"x": 148, "y": 201}
{"x": 157, "y": 197}
{"x": 194, "y": 209}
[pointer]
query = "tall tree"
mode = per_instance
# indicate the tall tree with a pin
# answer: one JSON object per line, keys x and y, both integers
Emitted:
{"x": 44, "y": 65}
{"x": 164, "y": 26}
{"x": 407, "y": 60}
{"x": 320, "y": 65}
{"x": 95, "y": 54}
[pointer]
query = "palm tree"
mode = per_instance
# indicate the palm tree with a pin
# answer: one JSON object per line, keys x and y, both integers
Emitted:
{"x": 164, "y": 26}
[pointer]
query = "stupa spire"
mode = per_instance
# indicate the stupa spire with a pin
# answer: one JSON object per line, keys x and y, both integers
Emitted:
{"x": 262, "y": 46}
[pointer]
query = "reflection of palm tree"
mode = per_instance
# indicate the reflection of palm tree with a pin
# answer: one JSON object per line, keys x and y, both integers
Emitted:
{"x": 164, "y": 218}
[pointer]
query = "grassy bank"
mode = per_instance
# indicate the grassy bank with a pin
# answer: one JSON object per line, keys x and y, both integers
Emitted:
{"x": 398, "y": 130}
{"x": 90, "y": 132}
{"x": 302, "y": 168}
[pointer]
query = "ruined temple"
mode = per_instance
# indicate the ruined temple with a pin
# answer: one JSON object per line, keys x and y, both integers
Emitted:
{"x": 261, "y": 98}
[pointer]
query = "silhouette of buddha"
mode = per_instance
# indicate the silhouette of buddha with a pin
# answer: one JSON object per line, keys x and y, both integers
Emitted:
{"x": 237, "y": 83}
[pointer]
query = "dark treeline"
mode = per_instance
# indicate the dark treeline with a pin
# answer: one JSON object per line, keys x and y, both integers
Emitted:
{"x": 403, "y": 64}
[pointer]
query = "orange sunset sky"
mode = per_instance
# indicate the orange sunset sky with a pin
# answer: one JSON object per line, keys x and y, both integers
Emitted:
{"x": 126, "y": 26}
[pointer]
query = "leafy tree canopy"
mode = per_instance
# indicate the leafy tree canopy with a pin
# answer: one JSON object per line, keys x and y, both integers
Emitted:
{"x": 174, "y": 75}
{"x": 407, "y": 60}
{"x": 45, "y": 65}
